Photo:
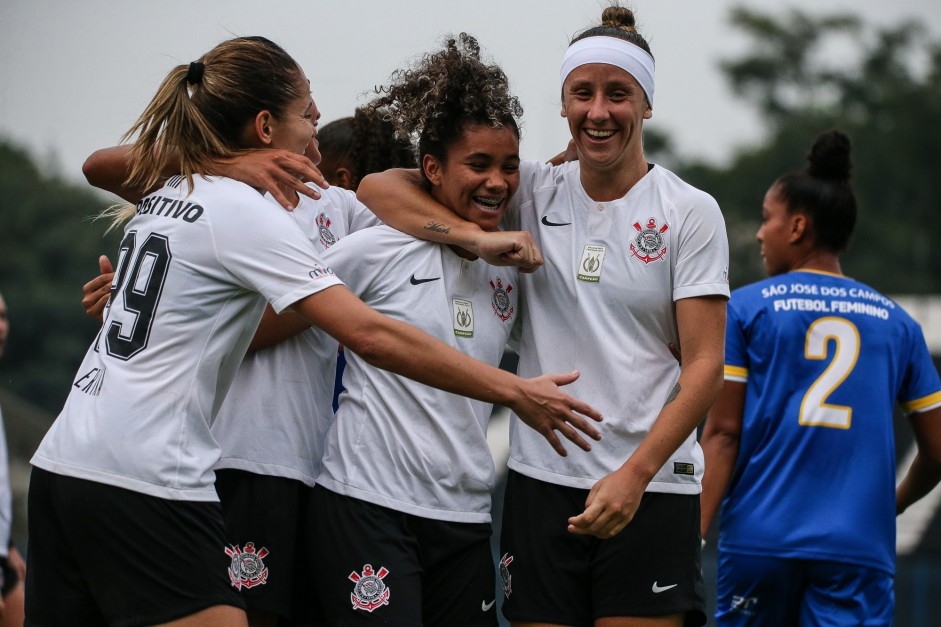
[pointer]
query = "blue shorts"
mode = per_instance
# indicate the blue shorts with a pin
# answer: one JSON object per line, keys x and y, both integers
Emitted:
{"x": 770, "y": 591}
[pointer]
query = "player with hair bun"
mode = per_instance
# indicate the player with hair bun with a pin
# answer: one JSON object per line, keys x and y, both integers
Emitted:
{"x": 200, "y": 257}
{"x": 800, "y": 441}
{"x": 402, "y": 508}
{"x": 635, "y": 260}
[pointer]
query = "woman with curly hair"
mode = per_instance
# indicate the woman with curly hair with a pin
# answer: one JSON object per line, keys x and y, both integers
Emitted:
{"x": 200, "y": 257}
{"x": 402, "y": 507}
{"x": 635, "y": 260}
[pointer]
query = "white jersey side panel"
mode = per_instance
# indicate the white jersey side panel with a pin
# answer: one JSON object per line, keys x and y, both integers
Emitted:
{"x": 277, "y": 412}
{"x": 192, "y": 278}
{"x": 603, "y": 303}
{"x": 397, "y": 443}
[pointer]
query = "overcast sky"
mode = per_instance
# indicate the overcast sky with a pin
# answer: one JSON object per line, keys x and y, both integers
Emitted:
{"x": 74, "y": 75}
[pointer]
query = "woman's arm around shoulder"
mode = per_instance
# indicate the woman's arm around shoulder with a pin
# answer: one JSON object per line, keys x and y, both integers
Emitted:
{"x": 401, "y": 348}
{"x": 398, "y": 197}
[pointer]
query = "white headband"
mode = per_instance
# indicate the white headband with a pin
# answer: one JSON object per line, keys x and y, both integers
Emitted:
{"x": 613, "y": 51}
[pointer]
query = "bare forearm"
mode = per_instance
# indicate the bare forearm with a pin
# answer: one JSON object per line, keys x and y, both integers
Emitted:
{"x": 398, "y": 198}
{"x": 920, "y": 479}
{"x": 696, "y": 390}
{"x": 925, "y": 471}
{"x": 410, "y": 352}
{"x": 275, "y": 328}
{"x": 387, "y": 193}
{"x": 109, "y": 168}
{"x": 720, "y": 451}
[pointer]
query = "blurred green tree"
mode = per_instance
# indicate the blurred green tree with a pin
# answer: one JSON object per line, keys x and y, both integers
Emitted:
{"x": 881, "y": 86}
{"x": 49, "y": 248}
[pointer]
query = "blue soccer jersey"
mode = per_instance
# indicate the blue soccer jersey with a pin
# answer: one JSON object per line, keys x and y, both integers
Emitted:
{"x": 825, "y": 360}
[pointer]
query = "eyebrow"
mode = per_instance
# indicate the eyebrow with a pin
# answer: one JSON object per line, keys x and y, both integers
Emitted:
{"x": 487, "y": 155}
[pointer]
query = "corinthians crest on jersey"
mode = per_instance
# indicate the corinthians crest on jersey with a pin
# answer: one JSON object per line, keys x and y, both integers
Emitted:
{"x": 502, "y": 306}
{"x": 370, "y": 591}
{"x": 649, "y": 243}
{"x": 247, "y": 568}
{"x": 327, "y": 238}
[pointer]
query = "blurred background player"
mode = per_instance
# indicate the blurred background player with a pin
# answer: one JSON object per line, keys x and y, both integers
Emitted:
{"x": 800, "y": 441}
{"x": 12, "y": 566}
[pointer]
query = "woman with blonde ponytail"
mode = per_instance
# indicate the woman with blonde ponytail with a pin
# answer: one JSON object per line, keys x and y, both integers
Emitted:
{"x": 125, "y": 526}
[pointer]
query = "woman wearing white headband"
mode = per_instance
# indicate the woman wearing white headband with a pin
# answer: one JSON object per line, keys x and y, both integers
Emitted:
{"x": 635, "y": 260}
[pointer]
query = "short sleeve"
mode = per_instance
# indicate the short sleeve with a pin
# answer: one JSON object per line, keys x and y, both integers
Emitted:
{"x": 264, "y": 250}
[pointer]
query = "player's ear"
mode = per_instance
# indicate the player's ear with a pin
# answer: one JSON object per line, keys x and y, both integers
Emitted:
{"x": 263, "y": 124}
{"x": 342, "y": 178}
{"x": 800, "y": 226}
{"x": 432, "y": 168}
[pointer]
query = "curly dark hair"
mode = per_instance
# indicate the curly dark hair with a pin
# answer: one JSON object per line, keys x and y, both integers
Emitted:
{"x": 443, "y": 93}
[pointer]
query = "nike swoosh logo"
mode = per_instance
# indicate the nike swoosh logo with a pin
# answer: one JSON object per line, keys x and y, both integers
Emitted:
{"x": 415, "y": 281}
{"x": 484, "y": 606}
{"x": 545, "y": 220}
{"x": 658, "y": 589}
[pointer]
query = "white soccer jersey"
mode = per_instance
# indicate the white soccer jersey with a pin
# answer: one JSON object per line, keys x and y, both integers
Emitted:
{"x": 603, "y": 303}
{"x": 185, "y": 305}
{"x": 280, "y": 406}
{"x": 398, "y": 443}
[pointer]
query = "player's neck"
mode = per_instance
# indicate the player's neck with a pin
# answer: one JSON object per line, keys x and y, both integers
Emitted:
{"x": 819, "y": 261}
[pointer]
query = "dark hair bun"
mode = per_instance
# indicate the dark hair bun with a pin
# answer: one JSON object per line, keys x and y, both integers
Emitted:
{"x": 830, "y": 157}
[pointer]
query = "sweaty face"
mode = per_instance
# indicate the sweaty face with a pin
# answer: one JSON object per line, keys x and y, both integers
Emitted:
{"x": 774, "y": 234}
{"x": 479, "y": 175}
{"x": 605, "y": 108}
{"x": 296, "y": 128}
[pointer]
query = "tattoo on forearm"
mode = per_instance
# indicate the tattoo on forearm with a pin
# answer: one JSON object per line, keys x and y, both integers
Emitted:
{"x": 673, "y": 394}
{"x": 437, "y": 228}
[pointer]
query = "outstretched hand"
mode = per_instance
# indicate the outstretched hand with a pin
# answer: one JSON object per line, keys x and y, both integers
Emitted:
{"x": 610, "y": 506}
{"x": 95, "y": 293}
{"x": 274, "y": 171}
{"x": 547, "y": 409}
{"x": 509, "y": 248}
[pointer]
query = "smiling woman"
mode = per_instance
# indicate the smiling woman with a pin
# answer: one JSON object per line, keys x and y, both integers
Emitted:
{"x": 635, "y": 260}
{"x": 197, "y": 263}
{"x": 423, "y": 522}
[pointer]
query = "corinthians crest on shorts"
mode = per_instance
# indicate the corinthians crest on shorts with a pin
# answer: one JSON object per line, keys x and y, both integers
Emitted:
{"x": 247, "y": 568}
{"x": 648, "y": 244}
{"x": 327, "y": 238}
{"x": 370, "y": 592}
{"x": 505, "y": 575}
{"x": 501, "y": 299}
